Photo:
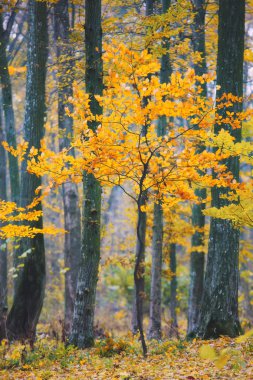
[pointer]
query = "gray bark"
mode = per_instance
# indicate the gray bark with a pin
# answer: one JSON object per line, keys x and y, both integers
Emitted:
{"x": 82, "y": 332}
{"x": 155, "y": 328}
{"x": 9, "y": 120}
{"x": 29, "y": 294}
{"x": 173, "y": 292}
{"x": 197, "y": 260}
{"x": 72, "y": 216}
{"x": 3, "y": 246}
{"x": 219, "y": 307}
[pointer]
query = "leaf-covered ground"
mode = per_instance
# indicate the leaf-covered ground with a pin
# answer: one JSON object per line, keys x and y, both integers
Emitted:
{"x": 121, "y": 359}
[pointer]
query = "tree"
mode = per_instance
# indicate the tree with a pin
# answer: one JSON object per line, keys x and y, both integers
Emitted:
{"x": 29, "y": 295}
{"x": 219, "y": 307}
{"x": 3, "y": 245}
{"x": 173, "y": 292}
{"x": 7, "y": 102}
{"x": 72, "y": 217}
{"x": 155, "y": 329}
{"x": 117, "y": 152}
{"x": 82, "y": 333}
{"x": 198, "y": 218}
{"x": 139, "y": 272}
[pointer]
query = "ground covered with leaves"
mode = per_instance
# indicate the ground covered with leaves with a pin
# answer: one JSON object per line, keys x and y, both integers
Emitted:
{"x": 122, "y": 359}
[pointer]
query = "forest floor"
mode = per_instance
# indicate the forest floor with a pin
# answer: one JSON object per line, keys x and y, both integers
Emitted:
{"x": 121, "y": 359}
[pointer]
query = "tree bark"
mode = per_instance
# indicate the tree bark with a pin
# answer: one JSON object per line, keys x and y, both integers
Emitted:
{"x": 3, "y": 245}
{"x": 29, "y": 295}
{"x": 219, "y": 307}
{"x": 72, "y": 216}
{"x": 139, "y": 271}
{"x": 173, "y": 292}
{"x": 82, "y": 333}
{"x": 197, "y": 260}
{"x": 155, "y": 328}
{"x": 9, "y": 120}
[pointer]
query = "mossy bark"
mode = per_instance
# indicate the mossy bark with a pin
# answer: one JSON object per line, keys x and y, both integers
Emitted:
{"x": 30, "y": 286}
{"x": 72, "y": 215}
{"x": 82, "y": 332}
{"x": 173, "y": 331}
{"x": 197, "y": 260}
{"x": 219, "y": 307}
{"x": 9, "y": 120}
{"x": 3, "y": 244}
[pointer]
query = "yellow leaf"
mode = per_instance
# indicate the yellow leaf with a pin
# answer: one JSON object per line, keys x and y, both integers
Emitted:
{"x": 207, "y": 352}
{"x": 221, "y": 361}
{"x": 244, "y": 337}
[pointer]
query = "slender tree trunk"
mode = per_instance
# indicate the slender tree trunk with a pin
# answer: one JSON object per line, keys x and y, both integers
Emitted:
{"x": 3, "y": 246}
{"x": 72, "y": 216}
{"x": 139, "y": 283}
{"x": 247, "y": 302}
{"x": 139, "y": 277}
{"x": 173, "y": 292}
{"x": 139, "y": 272}
{"x": 29, "y": 295}
{"x": 155, "y": 328}
{"x": 197, "y": 260}
{"x": 9, "y": 120}
{"x": 82, "y": 333}
{"x": 219, "y": 307}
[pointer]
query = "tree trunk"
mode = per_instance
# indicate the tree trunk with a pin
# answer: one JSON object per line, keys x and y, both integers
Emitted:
{"x": 197, "y": 260}
{"x": 155, "y": 328}
{"x": 82, "y": 333}
{"x": 29, "y": 295}
{"x": 3, "y": 246}
{"x": 139, "y": 271}
{"x": 72, "y": 216}
{"x": 219, "y": 307}
{"x": 8, "y": 113}
{"x": 139, "y": 277}
{"x": 173, "y": 292}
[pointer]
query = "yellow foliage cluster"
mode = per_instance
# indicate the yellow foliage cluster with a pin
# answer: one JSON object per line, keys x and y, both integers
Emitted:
{"x": 118, "y": 152}
{"x": 12, "y": 218}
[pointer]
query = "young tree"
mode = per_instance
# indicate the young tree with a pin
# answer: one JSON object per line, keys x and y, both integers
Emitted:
{"x": 198, "y": 218}
{"x": 155, "y": 329}
{"x": 82, "y": 333}
{"x": 29, "y": 295}
{"x": 72, "y": 216}
{"x": 7, "y": 102}
{"x": 219, "y": 307}
{"x": 139, "y": 274}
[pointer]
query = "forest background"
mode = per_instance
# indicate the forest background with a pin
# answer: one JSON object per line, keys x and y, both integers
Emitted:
{"x": 136, "y": 144}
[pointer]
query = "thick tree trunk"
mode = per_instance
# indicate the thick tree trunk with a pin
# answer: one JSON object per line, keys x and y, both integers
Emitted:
{"x": 82, "y": 333}
{"x": 72, "y": 216}
{"x": 9, "y": 120}
{"x": 155, "y": 328}
{"x": 219, "y": 307}
{"x": 173, "y": 292}
{"x": 197, "y": 260}
{"x": 29, "y": 295}
{"x": 3, "y": 246}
